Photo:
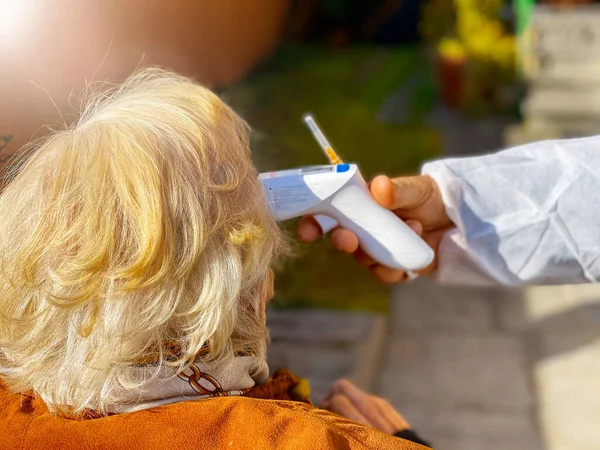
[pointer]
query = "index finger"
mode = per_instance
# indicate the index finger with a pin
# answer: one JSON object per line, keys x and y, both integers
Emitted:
{"x": 309, "y": 229}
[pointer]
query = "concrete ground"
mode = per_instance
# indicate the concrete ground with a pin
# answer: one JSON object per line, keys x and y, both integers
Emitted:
{"x": 470, "y": 368}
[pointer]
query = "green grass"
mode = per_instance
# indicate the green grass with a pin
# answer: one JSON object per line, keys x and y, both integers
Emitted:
{"x": 344, "y": 89}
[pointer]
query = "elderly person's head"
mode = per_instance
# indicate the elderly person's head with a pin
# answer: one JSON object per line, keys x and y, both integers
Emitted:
{"x": 137, "y": 238}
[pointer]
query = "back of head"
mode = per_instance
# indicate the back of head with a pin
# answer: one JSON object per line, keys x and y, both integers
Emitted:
{"x": 139, "y": 233}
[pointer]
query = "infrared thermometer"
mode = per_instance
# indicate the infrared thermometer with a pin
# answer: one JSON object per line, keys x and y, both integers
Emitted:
{"x": 338, "y": 194}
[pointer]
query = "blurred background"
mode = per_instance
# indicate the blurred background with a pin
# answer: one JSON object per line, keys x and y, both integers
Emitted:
{"x": 393, "y": 83}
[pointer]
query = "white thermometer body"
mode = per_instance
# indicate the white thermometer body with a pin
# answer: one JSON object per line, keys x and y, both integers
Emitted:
{"x": 340, "y": 193}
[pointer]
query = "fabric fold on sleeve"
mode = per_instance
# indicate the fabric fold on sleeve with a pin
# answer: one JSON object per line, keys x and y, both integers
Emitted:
{"x": 527, "y": 215}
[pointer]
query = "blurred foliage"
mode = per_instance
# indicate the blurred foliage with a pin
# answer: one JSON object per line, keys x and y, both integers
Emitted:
{"x": 438, "y": 19}
{"x": 343, "y": 22}
{"x": 345, "y": 89}
{"x": 485, "y": 37}
{"x": 473, "y": 33}
{"x": 337, "y": 9}
{"x": 452, "y": 50}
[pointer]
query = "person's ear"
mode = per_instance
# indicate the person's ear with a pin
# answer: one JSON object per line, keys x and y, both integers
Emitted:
{"x": 269, "y": 286}
{"x": 267, "y": 291}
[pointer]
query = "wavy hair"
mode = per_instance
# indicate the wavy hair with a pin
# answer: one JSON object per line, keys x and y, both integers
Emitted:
{"x": 139, "y": 229}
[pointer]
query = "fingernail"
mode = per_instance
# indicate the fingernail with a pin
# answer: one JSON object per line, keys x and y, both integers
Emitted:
{"x": 410, "y": 275}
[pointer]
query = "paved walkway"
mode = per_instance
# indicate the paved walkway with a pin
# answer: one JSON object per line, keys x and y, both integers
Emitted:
{"x": 470, "y": 368}
{"x": 456, "y": 370}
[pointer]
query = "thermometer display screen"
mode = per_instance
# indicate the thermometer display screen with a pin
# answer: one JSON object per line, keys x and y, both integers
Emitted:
{"x": 308, "y": 170}
{"x": 316, "y": 169}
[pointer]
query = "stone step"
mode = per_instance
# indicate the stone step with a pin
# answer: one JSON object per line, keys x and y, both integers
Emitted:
{"x": 324, "y": 345}
{"x": 567, "y": 74}
{"x": 560, "y": 31}
{"x": 567, "y": 103}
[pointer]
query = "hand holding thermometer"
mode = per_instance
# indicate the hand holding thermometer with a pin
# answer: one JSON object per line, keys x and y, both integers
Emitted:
{"x": 339, "y": 192}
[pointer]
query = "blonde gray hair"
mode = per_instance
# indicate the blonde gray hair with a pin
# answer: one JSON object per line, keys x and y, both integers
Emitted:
{"x": 139, "y": 229}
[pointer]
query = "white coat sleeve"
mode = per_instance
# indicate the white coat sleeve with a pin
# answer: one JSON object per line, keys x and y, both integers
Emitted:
{"x": 528, "y": 215}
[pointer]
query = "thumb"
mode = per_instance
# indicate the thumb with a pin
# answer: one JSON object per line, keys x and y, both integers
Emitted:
{"x": 401, "y": 193}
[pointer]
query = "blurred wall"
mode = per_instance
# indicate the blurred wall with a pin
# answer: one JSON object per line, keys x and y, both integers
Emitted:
{"x": 58, "y": 44}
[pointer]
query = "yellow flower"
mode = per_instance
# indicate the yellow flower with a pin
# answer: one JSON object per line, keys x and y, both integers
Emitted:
{"x": 452, "y": 49}
{"x": 504, "y": 53}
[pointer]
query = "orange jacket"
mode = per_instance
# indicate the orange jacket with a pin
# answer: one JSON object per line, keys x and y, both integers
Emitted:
{"x": 227, "y": 422}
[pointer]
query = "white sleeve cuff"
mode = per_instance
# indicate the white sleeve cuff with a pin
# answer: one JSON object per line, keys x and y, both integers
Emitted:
{"x": 455, "y": 265}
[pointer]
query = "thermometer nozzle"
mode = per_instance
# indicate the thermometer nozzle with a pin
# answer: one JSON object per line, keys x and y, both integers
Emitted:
{"x": 322, "y": 140}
